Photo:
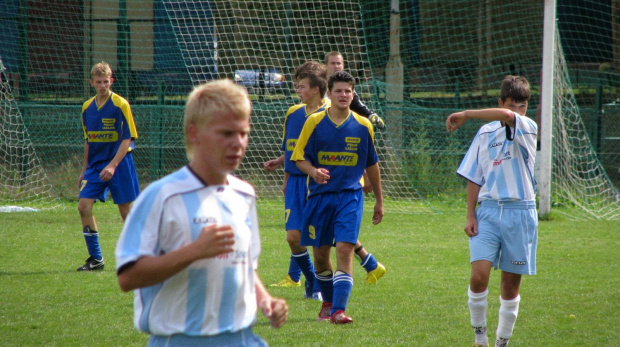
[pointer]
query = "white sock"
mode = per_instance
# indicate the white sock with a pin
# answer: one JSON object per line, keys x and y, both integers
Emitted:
{"x": 508, "y": 312}
{"x": 478, "y": 314}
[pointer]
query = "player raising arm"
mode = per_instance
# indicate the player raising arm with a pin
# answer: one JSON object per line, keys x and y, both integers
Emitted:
{"x": 503, "y": 230}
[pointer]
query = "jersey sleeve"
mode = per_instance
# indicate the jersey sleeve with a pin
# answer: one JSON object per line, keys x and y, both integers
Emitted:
{"x": 286, "y": 119}
{"x": 85, "y": 105}
{"x": 129, "y": 126}
{"x": 299, "y": 153}
{"x": 139, "y": 236}
{"x": 371, "y": 156}
{"x": 359, "y": 107}
{"x": 253, "y": 224}
{"x": 469, "y": 167}
{"x": 525, "y": 132}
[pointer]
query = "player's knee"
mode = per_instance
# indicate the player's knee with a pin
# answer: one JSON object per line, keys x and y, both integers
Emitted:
{"x": 84, "y": 209}
{"x": 293, "y": 239}
{"x": 479, "y": 282}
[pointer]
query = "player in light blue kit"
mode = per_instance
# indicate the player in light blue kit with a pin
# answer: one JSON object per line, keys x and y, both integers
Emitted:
{"x": 190, "y": 246}
{"x": 334, "y": 149}
{"x": 311, "y": 84}
{"x": 503, "y": 230}
{"x": 109, "y": 132}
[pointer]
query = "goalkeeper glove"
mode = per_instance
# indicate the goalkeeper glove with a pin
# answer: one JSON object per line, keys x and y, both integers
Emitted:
{"x": 377, "y": 121}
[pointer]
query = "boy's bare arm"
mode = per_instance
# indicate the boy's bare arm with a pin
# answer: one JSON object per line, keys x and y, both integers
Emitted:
{"x": 320, "y": 175}
{"x": 108, "y": 171}
{"x": 471, "y": 226}
{"x": 374, "y": 175}
{"x": 457, "y": 119}
{"x": 147, "y": 271}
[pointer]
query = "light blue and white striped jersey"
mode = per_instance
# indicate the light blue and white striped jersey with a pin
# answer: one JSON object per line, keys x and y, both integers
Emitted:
{"x": 501, "y": 161}
{"x": 213, "y": 295}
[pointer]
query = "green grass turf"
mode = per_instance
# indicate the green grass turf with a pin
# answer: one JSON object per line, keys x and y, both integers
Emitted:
{"x": 573, "y": 301}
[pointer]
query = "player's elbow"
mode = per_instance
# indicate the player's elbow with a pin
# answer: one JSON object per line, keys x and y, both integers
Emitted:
{"x": 124, "y": 283}
{"x": 125, "y": 280}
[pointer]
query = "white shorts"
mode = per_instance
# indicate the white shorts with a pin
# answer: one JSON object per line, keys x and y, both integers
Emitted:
{"x": 507, "y": 234}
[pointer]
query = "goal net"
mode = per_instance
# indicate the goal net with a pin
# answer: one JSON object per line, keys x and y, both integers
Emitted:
{"x": 579, "y": 180}
{"x": 24, "y": 185}
{"x": 453, "y": 56}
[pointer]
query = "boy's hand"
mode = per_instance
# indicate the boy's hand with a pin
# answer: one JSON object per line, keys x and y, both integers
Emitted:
{"x": 107, "y": 173}
{"x": 378, "y": 212}
{"x": 321, "y": 175}
{"x": 271, "y": 165}
{"x": 276, "y": 310}
{"x": 377, "y": 121}
{"x": 455, "y": 121}
{"x": 214, "y": 240}
{"x": 471, "y": 227}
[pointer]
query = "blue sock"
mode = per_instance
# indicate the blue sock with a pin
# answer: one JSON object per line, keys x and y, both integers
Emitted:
{"x": 316, "y": 288}
{"x": 293, "y": 270}
{"x": 343, "y": 283}
{"x": 369, "y": 263}
{"x": 305, "y": 265}
{"x": 92, "y": 243}
{"x": 326, "y": 283}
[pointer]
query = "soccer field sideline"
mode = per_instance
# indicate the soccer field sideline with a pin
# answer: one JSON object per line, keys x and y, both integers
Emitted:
{"x": 420, "y": 302}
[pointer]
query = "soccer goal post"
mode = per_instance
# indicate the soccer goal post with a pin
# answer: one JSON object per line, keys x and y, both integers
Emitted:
{"x": 546, "y": 107}
{"x": 24, "y": 185}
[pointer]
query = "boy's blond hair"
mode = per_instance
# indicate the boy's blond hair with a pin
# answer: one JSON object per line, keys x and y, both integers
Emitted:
{"x": 332, "y": 54}
{"x": 219, "y": 96}
{"x": 101, "y": 69}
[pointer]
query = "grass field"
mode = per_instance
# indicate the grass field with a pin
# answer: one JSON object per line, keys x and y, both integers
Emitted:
{"x": 573, "y": 301}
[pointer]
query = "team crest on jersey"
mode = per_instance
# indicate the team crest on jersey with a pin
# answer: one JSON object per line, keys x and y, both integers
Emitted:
{"x": 337, "y": 158}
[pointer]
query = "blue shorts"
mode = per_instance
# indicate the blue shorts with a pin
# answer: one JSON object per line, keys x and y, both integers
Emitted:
{"x": 508, "y": 234}
{"x": 244, "y": 337}
{"x": 294, "y": 201}
{"x": 332, "y": 217}
{"x": 124, "y": 184}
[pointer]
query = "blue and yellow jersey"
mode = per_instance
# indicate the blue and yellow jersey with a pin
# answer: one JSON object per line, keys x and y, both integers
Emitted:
{"x": 106, "y": 127}
{"x": 293, "y": 123}
{"x": 345, "y": 149}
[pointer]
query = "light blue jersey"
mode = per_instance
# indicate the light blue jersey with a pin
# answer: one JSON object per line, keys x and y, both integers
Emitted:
{"x": 211, "y": 296}
{"x": 501, "y": 161}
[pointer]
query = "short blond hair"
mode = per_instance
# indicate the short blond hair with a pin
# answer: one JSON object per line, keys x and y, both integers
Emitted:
{"x": 101, "y": 69}
{"x": 210, "y": 98}
{"x": 332, "y": 54}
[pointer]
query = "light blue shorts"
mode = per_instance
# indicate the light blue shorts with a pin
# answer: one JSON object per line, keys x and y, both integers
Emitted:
{"x": 294, "y": 201}
{"x": 241, "y": 338}
{"x": 507, "y": 234}
{"x": 332, "y": 217}
{"x": 123, "y": 186}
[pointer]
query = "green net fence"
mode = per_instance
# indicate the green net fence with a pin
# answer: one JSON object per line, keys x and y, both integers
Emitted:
{"x": 452, "y": 55}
